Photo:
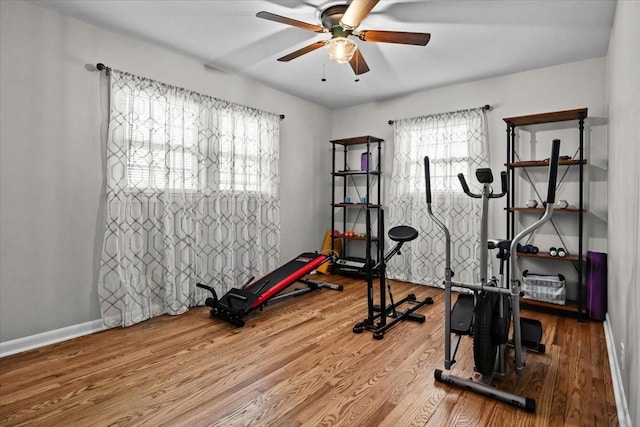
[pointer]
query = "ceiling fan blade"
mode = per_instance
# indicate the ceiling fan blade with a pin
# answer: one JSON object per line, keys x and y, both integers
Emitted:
{"x": 356, "y": 12}
{"x": 284, "y": 20}
{"x": 358, "y": 63}
{"x": 419, "y": 39}
{"x": 300, "y": 52}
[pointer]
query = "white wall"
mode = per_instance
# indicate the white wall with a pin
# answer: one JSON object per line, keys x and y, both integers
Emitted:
{"x": 52, "y": 200}
{"x": 623, "y": 96}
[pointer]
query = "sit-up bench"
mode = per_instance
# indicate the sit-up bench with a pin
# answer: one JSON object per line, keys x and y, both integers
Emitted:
{"x": 238, "y": 302}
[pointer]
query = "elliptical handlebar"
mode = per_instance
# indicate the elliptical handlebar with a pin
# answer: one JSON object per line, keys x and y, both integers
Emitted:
{"x": 551, "y": 195}
{"x": 440, "y": 224}
{"x": 465, "y": 187}
{"x": 503, "y": 179}
{"x": 427, "y": 178}
{"x": 515, "y": 287}
{"x": 553, "y": 171}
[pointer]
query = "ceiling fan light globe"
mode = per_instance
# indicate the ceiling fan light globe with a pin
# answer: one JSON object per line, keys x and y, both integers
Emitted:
{"x": 341, "y": 49}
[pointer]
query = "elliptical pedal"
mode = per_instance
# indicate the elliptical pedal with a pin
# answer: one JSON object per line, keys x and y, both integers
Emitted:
{"x": 462, "y": 315}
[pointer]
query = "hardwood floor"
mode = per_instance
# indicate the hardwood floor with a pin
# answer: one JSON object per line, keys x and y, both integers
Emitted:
{"x": 298, "y": 363}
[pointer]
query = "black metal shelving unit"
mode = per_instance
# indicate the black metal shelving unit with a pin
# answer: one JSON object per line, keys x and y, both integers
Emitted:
{"x": 342, "y": 180}
{"x": 514, "y": 163}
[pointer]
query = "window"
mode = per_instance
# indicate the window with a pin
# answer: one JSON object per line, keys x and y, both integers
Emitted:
{"x": 447, "y": 146}
{"x": 163, "y": 144}
{"x": 164, "y": 152}
{"x": 239, "y": 154}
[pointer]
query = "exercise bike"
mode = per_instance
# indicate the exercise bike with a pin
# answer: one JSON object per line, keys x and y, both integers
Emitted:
{"x": 487, "y": 314}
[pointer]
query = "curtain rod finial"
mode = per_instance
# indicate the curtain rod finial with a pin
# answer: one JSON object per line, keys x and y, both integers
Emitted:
{"x": 101, "y": 67}
{"x": 281, "y": 116}
{"x": 390, "y": 122}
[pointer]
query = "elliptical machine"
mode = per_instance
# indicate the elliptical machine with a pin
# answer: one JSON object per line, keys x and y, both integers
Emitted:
{"x": 487, "y": 313}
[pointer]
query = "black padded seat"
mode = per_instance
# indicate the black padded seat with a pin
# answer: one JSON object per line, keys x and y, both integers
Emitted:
{"x": 500, "y": 244}
{"x": 403, "y": 233}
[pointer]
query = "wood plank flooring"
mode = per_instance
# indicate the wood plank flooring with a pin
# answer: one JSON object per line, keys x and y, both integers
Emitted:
{"x": 298, "y": 363}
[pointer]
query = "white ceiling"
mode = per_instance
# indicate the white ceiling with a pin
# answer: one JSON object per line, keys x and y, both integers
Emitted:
{"x": 470, "y": 40}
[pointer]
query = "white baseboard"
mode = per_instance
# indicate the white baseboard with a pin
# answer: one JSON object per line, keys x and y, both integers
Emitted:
{"x": 624, "y": 418}
{"x": 19, "y": 345}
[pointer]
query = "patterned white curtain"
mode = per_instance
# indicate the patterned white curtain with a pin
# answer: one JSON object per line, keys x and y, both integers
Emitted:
{"x": 455, "y": 143}
{"x": 192, "y": 196}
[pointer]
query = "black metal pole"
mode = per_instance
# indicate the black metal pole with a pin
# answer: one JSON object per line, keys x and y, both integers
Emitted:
{"x": 485, "y": 107}
{"x": 511, "y": 136}
{"x": 382, "y": 270}
{"x": 580, "y": 223}
{"x": 344, "y": 209}
{"x": 333, "y": 204}
{"x": 369, "y": 268}
{"x": 101, "y": 67}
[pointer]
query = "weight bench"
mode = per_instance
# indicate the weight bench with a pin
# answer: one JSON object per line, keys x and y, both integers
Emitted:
{"x": 238, "y": 302}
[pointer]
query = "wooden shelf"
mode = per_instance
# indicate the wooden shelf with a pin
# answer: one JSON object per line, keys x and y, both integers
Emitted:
{"x": 570, "y": 307}
{"x": 342, "y": 236}
{"x": 545, "y": 255}
{"x": 357, "y": 140}
{"x": 350, "y": 173}
{"x": 540, "y": 163}
{"x": 556, "y": 116}
{"x": 541, "y": 210}
{"x": 355, "y": 205}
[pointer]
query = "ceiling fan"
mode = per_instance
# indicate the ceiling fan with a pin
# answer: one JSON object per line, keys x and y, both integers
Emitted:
{"x": 341, "y": 22}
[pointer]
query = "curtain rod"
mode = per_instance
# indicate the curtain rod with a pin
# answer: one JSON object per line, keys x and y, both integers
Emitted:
{"x": 101, "y": 67}
{"x": 485, "y": 107}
